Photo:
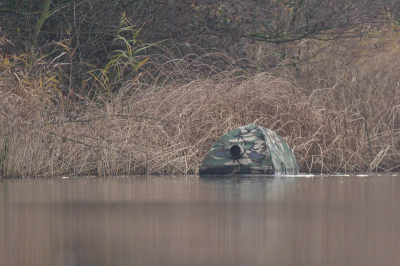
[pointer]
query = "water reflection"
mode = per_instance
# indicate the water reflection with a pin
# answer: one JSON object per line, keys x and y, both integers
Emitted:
{"x": 192, "y": 221}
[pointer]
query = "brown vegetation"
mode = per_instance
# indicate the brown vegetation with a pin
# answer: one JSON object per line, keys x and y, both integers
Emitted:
{"x": 82, "y": 94}
{"x": 339, "y": 114}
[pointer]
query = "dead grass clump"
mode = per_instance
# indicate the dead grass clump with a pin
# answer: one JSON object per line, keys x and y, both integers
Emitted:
{"x": 364, "y": 82}
{"x": 167, "y": 130}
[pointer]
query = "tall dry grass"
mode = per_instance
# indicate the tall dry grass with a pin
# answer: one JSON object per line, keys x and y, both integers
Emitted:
{"x": 338, "y": 115}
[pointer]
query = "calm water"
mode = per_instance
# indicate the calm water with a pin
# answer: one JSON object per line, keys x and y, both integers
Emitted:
{"x": 192, "y": 221}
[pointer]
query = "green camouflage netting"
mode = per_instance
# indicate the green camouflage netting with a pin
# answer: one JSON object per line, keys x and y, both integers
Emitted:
{"x": 250, "y": 149}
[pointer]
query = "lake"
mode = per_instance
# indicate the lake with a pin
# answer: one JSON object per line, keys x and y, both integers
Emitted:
{"x": 187, "y": 220}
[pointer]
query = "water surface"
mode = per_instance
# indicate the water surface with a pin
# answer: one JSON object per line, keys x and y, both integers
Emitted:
{"x": 329, "y": 220}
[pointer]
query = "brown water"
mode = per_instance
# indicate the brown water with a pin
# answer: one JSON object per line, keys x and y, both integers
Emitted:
{"x": 191, "y": 221}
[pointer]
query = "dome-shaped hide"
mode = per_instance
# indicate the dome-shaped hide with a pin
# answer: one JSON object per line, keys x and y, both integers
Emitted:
{"x": 250, "y": 149}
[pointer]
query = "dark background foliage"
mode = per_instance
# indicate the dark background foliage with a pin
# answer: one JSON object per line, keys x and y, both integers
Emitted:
{"x": 88, "y": 28}
{"x": 216, "y": 24}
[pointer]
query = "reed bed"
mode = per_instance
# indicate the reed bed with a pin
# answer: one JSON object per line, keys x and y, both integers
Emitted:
{"x": 168, "y": 130}
{"x": 346, "y": 120}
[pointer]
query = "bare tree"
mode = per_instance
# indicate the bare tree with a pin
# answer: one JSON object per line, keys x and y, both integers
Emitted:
{"x": 292, "y": 20}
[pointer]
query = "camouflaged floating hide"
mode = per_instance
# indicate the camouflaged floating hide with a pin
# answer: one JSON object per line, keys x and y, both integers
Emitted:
{"x": 250, "y": 149}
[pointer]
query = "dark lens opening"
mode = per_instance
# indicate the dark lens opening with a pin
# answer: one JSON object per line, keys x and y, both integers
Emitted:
{"x": 236, "y": 151}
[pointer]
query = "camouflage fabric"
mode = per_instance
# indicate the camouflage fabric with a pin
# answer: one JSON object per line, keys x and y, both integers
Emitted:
{"x": 250, "y": 149}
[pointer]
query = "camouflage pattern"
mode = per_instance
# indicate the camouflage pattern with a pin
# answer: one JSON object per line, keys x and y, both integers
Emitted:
{"x": 262, "y": 151}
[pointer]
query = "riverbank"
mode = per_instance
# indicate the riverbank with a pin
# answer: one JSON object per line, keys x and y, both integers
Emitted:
{"x": 339, "y": 114}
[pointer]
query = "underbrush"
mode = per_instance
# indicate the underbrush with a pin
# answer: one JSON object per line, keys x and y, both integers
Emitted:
{"x": 338, "y": 115}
